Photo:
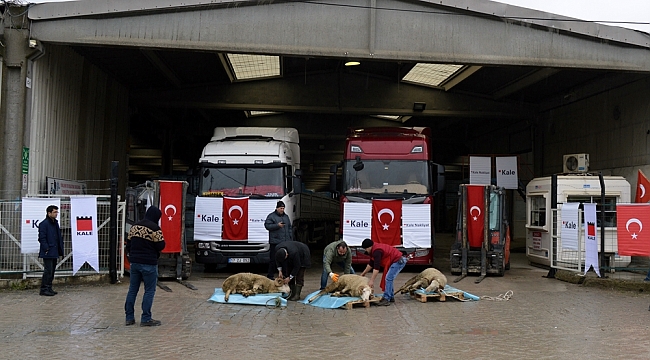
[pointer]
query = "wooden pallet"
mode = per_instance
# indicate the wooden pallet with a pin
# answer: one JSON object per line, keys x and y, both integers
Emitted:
{"x": 440, "y": 297}
{"x": 359, "y": 303}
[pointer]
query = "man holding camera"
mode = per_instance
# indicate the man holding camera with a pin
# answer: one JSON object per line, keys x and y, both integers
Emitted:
{"x": 278, "y": 225}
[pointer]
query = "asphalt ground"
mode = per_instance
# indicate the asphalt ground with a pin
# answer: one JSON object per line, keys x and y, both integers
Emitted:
{"x": 543, "y": 319}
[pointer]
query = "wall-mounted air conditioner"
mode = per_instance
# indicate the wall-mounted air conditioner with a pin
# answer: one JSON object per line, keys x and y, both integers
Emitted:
{"x": 576, "y": 163}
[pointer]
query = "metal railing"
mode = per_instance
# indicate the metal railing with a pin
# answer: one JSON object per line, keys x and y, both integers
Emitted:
{"x": 13, "y": 262}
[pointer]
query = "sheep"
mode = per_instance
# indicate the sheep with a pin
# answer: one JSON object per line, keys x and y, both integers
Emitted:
{"x": 250, "y": 284}
{"x": 430, "y": 278}
{"x": 348, "y": 285}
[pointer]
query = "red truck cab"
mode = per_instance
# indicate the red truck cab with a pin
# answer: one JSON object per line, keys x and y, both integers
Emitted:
{"x": 389, "y": 164}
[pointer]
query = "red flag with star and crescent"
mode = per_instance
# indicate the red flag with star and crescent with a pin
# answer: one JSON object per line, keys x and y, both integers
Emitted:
{"x": 633, "y": 229}
{"x": 386, "y": 222}
{"x": 235, "y": 218}
{"x": 171, "y": 205}
{"x": 642, "y": 188}
{"x": 475, "y": 214}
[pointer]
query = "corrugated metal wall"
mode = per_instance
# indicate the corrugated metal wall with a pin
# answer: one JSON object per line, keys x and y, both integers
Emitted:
{"x": 79, "y": 122}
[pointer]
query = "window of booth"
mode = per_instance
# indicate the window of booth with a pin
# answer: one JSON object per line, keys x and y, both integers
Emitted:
{"x": 537, "y": 211}
{"x": 609, "y": 207}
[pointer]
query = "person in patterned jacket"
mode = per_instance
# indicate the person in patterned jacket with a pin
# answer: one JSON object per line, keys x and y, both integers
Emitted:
{"x": 143, "y": 246}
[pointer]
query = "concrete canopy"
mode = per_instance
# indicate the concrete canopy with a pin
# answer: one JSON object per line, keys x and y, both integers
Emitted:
{"x": 451, "y": 31}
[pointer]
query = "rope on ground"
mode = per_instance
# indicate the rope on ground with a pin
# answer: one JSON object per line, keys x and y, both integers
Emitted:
{"x": 276, "y": 303}
{"x": 501, "y": 297}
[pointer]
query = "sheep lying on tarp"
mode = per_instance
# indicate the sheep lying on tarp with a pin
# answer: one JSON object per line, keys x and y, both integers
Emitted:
{"x": 348, "y": 285}
{"x": 250, "y": 284}
{"x": 431, "y": 279}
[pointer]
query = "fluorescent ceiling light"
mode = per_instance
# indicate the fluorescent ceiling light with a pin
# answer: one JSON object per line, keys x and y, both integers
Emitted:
{"x": 431, "y": 74}
{"x": 260, "y": 113}
{"x": 389, "y": 117}
{"x": 246, "y": 67}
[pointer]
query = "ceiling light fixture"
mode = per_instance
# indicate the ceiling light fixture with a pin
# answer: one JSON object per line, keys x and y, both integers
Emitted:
{"x": 352, "y": 63}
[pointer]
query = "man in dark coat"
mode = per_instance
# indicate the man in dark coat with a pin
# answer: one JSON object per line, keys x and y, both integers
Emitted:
{"x": 51, "y": 241}
{"x": 279, "y": 226}
{"x": 292, "y": 258}
{"x": 143, "y": 246}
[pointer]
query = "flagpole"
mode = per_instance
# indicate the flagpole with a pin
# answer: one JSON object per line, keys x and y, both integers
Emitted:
{"x": 602, "y": 224}
{"x": 112, "y": 242}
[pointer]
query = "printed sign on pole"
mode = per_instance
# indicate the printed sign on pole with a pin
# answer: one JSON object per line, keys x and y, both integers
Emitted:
{"x": 507, "y": 172}
{"x": 480, "y": 170}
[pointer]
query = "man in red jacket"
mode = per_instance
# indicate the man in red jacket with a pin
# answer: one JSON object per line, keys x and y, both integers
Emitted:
{"x": 388, "y": 257}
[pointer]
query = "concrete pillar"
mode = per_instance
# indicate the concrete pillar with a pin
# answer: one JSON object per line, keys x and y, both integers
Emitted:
{"x": 14, "y": 73}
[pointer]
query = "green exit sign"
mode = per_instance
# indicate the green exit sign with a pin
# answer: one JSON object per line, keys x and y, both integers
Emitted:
{"x": 25, "y": 160}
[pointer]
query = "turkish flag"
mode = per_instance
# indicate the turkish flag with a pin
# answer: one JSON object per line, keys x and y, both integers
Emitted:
{"x": 475, "y": 214}
{"x": 386, "y": 222}
{"x": 235, "y": 218}
{"x": 171, "y": 221}
{"x": 642, "y": 188}
{"x": 633, "y": 229}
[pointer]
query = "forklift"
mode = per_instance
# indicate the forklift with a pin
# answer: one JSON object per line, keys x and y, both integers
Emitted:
{"x": 482, "y": 244}
{"x": 174, "y": 261}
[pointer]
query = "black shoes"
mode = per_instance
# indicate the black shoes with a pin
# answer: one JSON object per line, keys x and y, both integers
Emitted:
{"x": 383, "y": 302}
{"x": 129, "y": 322}
{"x": 47, "y": 293}
{"x": 151, "y": 322}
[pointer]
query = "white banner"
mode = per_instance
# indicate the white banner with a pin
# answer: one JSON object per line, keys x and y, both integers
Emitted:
{"x": 507, "y": 172}
{"x": 33, "y": 212}
{"x": 570, "y": 226}
{"x": 258, "y": 210}
{"x": 480, "y": 170}
{"x": 83, "y": 218}
{"x": 208, "y": 219}
{"x": 356, "y": 222}
{"x": 591, "y": 242}
{"x": 416, "y": 225}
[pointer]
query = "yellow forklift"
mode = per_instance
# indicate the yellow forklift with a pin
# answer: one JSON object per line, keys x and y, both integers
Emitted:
{"x": 482, "y": 243}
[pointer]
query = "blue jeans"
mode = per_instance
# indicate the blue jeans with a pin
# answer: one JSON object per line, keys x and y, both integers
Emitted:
{"x": 325, "y": 275}
{"x": 141, "y": 273}
{"x": 394, "y": 269}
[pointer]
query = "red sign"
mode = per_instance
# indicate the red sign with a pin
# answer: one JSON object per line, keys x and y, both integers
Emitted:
{"x": 171, "y": 205}
{"x": 475, "y": 214}
{"x": 235, "y": 218}
{"x": 386, "y": 222}
{"x": 633, "y": 229}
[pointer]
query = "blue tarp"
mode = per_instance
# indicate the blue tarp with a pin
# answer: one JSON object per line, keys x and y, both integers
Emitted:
{"x": 449, "y": 291}
{"x": 330, "y": 302}
{"x": 271, "y": 299}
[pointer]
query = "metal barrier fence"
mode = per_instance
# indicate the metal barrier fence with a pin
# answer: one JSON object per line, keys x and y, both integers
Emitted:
{"x": 13, "y": 262}
{"x": 574, "y": 260}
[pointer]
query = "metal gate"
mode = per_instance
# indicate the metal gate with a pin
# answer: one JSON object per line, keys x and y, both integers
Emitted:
{"x": 13, "y": 262}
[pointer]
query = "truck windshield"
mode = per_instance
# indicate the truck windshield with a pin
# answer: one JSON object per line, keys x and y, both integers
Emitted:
{"x": 246, "y": 181}
{"x": 387, "y": 177}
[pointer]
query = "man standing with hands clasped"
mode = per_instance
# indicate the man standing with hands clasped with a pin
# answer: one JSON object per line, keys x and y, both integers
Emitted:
{"x": 51, "y": 241}
{"x": 278, "y": 225}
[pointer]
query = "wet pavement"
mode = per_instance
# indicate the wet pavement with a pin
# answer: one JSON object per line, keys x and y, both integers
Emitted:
{"x": 544, "y": 319}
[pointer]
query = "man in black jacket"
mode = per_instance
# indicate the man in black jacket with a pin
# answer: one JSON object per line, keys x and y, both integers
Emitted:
{"x": 51, "y": 241}
{"x": 279, "y": 226}
{"x": 143, "y": 246}
{"x": 292, "y": 258}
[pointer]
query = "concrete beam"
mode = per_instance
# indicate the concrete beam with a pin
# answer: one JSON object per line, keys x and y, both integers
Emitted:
{"x": 421, "y": 31}
{"x": 333, "y": 93}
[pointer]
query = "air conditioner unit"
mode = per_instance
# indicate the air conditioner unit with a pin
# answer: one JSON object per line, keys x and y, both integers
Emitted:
{"x": 576, "y": 163}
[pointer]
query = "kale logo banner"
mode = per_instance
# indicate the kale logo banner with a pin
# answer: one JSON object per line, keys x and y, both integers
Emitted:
{"x": 34, "y": 211}
{"x": 507, "y": 172}
{"x": 591, "y": 241}
{"x": 569, "y": 231}
{"x": 83, "y": 221}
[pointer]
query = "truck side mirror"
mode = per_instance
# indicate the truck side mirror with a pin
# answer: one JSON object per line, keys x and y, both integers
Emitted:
{"x": 298, "y": 172}
{"x": 333, "y": 182}
{"x": 439, "y": 172}
{"x": 358, "y": 166}
{"x": 297, "y": 185}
